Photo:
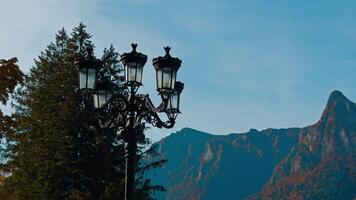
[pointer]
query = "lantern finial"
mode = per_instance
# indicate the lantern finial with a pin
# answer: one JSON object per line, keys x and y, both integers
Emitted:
{"x": 134, "y": 46}
{"x": 167, "y": 49}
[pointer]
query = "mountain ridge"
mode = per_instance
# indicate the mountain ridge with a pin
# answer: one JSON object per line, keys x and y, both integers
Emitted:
{"x": 256, "y": 164}
{"x": 324, "y": 149}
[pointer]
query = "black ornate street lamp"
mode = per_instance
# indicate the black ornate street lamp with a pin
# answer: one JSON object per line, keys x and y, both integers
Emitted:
{"x": 122, "y": 108}
{"x": 166, "y": 73}
{"x": 88, "y": 69}
{"x": 133, "y": 63}
{"x": 102, "y": 93}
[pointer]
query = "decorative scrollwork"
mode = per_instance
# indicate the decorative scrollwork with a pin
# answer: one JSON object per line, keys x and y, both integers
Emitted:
{"x": 116, "y": 112}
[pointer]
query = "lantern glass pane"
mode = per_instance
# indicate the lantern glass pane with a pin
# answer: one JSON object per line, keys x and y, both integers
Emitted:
{"x": 91, "y": 78}
{"x": 130, "y": 72}
{"x": 159, "y": 78}
{"x": 174, "y": 75}
{"x": 174, "y": 101}
{"x": 139, "y": 74}
{"x": 82, "y": 78}
{"x": 96, "y": 102}
{"x": 167, "y": 78}
{"x": 102, "y": 98}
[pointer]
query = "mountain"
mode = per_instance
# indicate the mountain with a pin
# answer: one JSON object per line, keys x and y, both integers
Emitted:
{"x": 315, "y": 162}
{"x": 322, "y": 165}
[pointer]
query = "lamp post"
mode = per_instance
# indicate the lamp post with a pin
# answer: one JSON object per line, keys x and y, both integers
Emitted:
{"x": 121, "y": 107}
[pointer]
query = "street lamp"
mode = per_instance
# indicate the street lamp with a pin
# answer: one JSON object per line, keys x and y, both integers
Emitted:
{"x": 166, "y": 73}
{"x": 174, "y": 101}
{"x": 123, "y": 108}
{"x": 133, "y": 63}
{"x": 88, "y": 68}
{"x": 102, "y": 93}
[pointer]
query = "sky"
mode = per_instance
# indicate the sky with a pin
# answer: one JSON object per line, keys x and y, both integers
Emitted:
{"x": 246, "y": 64}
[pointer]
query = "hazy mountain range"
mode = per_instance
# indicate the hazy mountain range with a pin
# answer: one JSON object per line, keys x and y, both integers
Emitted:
{"x": 314, "y": 162}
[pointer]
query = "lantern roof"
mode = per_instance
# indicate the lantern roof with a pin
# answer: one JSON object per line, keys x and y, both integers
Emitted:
{"x": 134, "y": 57}
{"x": 179, "y": 87}
{"x": 88, "y": 61}
{"x": 167, "y": 60}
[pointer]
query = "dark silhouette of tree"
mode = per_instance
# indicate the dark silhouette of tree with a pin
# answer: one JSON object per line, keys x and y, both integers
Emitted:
{"x": 59, "y": 151}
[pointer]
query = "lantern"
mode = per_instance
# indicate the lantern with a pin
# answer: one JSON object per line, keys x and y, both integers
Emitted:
{"x": 166, "y": 72}
{"x": 133, "y": 63}
{"x": 103, "y": 93}
{"x": 88, "y": 68}
{"x": 174, "y": 101}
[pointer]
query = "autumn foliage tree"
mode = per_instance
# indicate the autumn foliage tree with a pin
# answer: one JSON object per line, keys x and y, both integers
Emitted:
{"x": 10, "y": 77}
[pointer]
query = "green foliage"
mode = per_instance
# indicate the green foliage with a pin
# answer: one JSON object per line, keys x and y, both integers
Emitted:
{"x": 58, "y": 150}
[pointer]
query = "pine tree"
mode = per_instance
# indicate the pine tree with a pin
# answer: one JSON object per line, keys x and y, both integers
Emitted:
{"x": 46, "y": 112}
{"x": 59, "y": 150}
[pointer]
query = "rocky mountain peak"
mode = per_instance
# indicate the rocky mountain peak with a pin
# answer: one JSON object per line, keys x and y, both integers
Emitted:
{"x": 324, "y": 154}
{"x": 337, "y": 97}
{"x": 339, "y": 107}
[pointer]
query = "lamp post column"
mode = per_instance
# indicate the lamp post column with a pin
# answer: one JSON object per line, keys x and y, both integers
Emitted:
{"x": 130, "y": 156}
{"x": 130, "y": 138}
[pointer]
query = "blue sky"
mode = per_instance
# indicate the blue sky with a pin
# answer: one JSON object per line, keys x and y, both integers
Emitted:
{"x": 246, "y": 64}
